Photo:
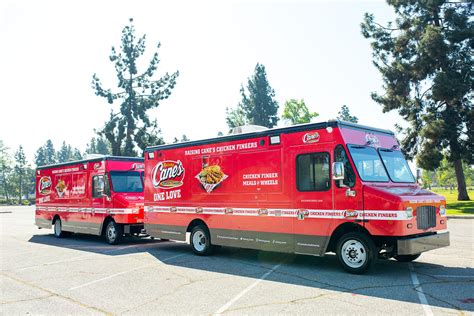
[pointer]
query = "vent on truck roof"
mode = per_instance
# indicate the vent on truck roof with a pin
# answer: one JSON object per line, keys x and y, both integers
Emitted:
{"x": 247, "y": 129}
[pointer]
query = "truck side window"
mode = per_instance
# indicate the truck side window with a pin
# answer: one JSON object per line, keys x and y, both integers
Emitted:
{"x": 349, "y": 174}
{"x": 312, "y": 172}
{"x": 97, "y": 183}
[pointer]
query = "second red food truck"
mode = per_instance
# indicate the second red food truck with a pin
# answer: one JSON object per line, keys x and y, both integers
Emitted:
{"x": 99, "y": 196}
{"x": 308, "y": 189}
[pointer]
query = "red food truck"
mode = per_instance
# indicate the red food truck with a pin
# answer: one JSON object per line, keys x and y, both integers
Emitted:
{"x": 98, "y": 196}
{"x": 307, "y": 189}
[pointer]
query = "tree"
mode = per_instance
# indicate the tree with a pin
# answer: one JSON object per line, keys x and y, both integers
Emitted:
{"x": 40, "y": 157}
{"x": 98, "y": 145}
{"x": 426, "y": 65}
{"x": 131, "y": 126}
{"x": 236, "y": 117}
{"x": 259, "y": 107}
{"x": 102, "y": 146}
{"x": 296, "y": 112}
{"x": 5, "y": 162}
{"x": 428, "y": 178}
{"x": 20, "y": 166}
{"x": 184, "y": 138}
{"x": 65, "y": 153}
{"x": 345, "y": 115}
{"x": 45, "y": 155}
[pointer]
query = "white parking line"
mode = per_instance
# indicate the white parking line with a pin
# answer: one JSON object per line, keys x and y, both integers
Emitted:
{"x": 251, "y": 286}
{"x": 123, "y": 272}
{"x": 419, "y": 291}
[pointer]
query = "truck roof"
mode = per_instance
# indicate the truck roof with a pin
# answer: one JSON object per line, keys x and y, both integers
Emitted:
{"x": 102, "y": 158}
{"x": 273, "y": 131}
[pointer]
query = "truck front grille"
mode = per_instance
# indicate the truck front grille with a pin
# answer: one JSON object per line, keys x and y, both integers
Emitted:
{"x": 425, "y": 217}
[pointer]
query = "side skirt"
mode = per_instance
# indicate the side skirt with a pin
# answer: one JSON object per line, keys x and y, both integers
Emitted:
{"x": 279, "y": 242}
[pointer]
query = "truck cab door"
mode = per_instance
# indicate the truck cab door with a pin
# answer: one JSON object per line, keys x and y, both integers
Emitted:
{"x": 348, "y": 202}
{"x": 101, "y": 202}
{"x": 312, "y": 197}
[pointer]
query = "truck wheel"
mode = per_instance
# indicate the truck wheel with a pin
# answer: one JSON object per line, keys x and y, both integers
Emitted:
{"x": 58, "y": 230}
{"x": 407, "y": 258}
{"x": 200, "y": 241}
{"x": 113, "y": 233}
{"x": 356, "y": 252}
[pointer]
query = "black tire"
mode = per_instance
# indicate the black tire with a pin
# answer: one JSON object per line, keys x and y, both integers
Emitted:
{"x": 58, "y": 229}
{"x": 201, "y": 241}
{"x": 407, "y": 258}
{"x": 356, "y": 252}
{"x": 113, "y": 233}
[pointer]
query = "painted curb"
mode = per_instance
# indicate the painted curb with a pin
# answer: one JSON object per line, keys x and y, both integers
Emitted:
{"x": 460, "y": 216}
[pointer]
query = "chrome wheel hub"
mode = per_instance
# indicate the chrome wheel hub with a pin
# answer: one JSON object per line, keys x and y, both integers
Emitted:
{"x": 353, "y": 253}
{"x": 199, "y": 241}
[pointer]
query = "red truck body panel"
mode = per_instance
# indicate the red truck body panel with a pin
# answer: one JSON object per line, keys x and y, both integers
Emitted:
{"x": 66, "y": 191}
{"x": 252, "y": 198}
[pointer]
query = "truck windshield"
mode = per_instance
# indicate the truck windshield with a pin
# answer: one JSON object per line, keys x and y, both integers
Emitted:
{"x": 126, "y": 181}
{"x": 368, "y": 163}
{"x": 396, "y": 165}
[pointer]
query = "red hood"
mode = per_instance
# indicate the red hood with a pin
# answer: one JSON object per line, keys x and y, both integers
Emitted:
{"x": 128, "y": 200}
{"x": 379, "y": 197}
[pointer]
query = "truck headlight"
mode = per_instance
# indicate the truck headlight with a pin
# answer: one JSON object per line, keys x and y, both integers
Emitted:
{"x": 409, "y": 212}
{"x": 442, "y": 210}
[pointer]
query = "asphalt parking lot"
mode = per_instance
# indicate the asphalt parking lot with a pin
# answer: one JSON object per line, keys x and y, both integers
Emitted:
{"x": 83, "y": 275}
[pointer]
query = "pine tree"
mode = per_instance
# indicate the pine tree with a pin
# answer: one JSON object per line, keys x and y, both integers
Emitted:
{"x": 236, "y": 117}
{"x": 40, "y": 157}
{"x": 102, "y": 146}
{"x": 426, "y": 64}
{"x": 5, "y": 162}
{"x": 20, "y": 170}
{"x": 258, "y": 107}
{"x": 46, "y": 154}
{"x": 98, "y": 145}
{"x": 49, "y": 153}
{"x": 345, "y": 115}
{"x": 131, "y": 127}
{"x": 296, "y": 112}
{"x": 64, "y": 154}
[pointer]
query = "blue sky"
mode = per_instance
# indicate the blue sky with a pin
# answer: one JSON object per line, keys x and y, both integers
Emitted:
{"x": 312, "y": 50}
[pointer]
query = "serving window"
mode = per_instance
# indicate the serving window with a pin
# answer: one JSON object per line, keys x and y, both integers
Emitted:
{"x": 312, "y": 172}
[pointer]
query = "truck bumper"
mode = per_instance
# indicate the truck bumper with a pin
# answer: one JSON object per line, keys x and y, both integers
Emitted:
{"x": 416, "y": 245}
{"x": 132, "y": 228}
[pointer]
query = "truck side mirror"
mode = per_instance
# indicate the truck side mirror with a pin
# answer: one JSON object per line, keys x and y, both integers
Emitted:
{"x": 338, "y": 170}
{"x": 100, "y": 187}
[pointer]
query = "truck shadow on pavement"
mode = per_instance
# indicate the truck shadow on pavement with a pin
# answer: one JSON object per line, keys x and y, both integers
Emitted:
{"x": 443, "y": 286}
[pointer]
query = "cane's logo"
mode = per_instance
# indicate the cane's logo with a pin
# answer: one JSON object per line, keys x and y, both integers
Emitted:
{"x": 371, "y": 139}
{"x": 168, "y": 174}
{"x": 44, "y": 185}
{"x": 311, "y": 138}
{"x": 350, "y": 214}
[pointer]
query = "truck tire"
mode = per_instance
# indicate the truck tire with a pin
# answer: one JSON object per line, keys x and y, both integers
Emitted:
{"x": 201, "y": 241}
{"x": 407, "y": 258}
{"x": 113, "y": 233}
{"x": 58, "y": 229}
{"x": 356, "y": 252}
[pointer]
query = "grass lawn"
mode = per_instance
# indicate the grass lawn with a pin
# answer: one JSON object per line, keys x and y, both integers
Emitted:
{"x": 456, "y": 207}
